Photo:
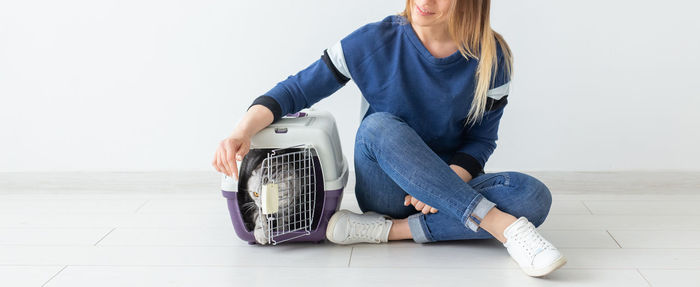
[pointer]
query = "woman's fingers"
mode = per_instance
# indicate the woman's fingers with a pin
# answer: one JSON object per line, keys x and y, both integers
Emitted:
{"x": 243, "y": 149}
{"x": 230, "y": 157}
{"x": 234, "y": 162}
{"x": 414, "y": 201}
{"x": 235, "y": 169}
{"x": 219, "y": 163}
{"x": 419, "y": 206}
{"x": 222, "y": 158}
{"x": 229, "y": 152}
{"x": 214, "y": 162}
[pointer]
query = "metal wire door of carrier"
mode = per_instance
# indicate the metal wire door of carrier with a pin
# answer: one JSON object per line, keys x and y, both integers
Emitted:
{"x": 289, "y": 193}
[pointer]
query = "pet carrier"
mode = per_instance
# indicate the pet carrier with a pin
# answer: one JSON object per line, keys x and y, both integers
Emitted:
{"x": 291, "y": 180}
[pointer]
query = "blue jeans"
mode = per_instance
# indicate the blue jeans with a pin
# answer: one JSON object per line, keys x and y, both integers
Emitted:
{"x": 391, "y": 160}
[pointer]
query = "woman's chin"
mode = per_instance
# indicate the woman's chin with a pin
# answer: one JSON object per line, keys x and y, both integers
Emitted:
{"x": 417, "y": 21}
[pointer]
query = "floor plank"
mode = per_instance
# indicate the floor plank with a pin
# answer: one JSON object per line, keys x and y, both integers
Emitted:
{"x": 644, "y": 207}
{"x": 272, "y": 276}
{"x": 173, "y": 228}
{"x": 620, "y": 222}
{"x": 291, "y": 255}
{"x": 672, "y": 277}
{"x": 51, "y": 236}
{"x": 660, "y": 238}
{"x": 21, "y": 276}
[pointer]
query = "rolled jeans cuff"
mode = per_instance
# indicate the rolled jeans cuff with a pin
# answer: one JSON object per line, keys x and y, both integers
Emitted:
{"x": 416, "y": 223}
{"x": 480, "y": 210}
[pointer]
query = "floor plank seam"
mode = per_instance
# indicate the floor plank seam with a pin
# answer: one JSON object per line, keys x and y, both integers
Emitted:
{"x": 643, "y": 277}
{"x": 613, "y": 238}
{"x": 105, "y": 236}
{"x": 350, "y": 259}
{"x": 142, "y": 205}
{"x": 54, "y": 276}
{"x": 586, "y": 206}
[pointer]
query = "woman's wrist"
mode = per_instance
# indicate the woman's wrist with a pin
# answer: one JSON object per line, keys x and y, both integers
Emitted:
{"x": 257, "y": 118}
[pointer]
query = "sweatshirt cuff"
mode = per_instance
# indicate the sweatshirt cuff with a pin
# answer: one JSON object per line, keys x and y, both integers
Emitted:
{"x": 467, "y": 162}
{"x": 271, "y": 104}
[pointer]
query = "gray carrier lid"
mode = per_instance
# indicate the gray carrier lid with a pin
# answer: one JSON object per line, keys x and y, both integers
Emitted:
{"x": 313, "y": 128}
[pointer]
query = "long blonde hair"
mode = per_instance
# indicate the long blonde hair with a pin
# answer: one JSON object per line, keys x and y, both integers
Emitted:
{"x": 469, "y": 25}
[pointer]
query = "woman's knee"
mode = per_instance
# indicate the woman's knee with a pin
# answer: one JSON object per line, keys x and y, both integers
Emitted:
{"x": 537, "y": 199}
{"x": 375, "y": 124}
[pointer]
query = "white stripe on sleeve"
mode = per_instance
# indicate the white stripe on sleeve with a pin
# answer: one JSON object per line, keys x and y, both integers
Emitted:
{"x": 499, "y": 92}
{"x": 338, "y": 59}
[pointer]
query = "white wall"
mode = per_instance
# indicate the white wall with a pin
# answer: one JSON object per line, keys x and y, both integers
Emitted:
{"x": 154, "y": 85}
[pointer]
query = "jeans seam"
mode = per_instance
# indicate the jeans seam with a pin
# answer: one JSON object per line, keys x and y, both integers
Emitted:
{"x": 449, "y": 201}
{"x": 464, "y": 218}
{"x": 506, "y": 183}
{"x": 501, "y": 185}
{"x": 470, "y": 209}
{"x": 424, "y": 232}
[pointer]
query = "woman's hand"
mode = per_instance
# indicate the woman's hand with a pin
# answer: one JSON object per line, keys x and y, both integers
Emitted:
{"x": 422, "y": 207}
{"x": 230, "y": 150}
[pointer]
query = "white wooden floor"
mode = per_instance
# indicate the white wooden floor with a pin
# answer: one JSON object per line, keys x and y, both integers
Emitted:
{"x": 173, "y": 229}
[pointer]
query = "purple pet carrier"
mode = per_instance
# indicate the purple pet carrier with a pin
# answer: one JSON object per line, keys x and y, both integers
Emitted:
{"x": 305, "y": 146}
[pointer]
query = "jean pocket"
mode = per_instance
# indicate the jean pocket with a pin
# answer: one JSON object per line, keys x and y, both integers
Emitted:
{"x": 489, "y": 179}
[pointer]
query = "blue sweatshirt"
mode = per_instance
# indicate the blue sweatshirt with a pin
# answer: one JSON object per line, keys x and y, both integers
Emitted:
{"x": 397, "y": 74}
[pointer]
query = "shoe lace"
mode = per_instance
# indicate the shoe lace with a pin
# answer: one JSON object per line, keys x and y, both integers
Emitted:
{"x": 532, "y": 242}
{"x": 366, "y": 231}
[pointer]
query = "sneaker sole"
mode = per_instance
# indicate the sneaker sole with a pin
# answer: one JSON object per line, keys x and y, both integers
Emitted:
{"x": 539, "y": 272}
{"x": 331, "y": 225}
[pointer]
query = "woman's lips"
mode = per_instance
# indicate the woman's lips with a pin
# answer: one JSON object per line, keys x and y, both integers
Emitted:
{"x": 423, "y": 13}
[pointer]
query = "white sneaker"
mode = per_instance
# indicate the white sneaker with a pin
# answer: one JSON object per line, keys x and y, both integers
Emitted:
{"x": 535, "y": 255}
{"x": 347, "y": 227}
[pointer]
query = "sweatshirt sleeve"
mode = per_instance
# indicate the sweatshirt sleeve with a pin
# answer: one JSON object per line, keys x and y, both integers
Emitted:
{"x": 310, "y": 85}
{"x": 478, "y": 141}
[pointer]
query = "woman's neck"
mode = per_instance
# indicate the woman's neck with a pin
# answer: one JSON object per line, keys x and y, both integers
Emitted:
{"x": 436, "y": 39}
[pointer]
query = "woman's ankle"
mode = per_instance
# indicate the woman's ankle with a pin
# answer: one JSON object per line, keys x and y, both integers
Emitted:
{"x": 400, "y": 230}
{"x": 495, "y": 222}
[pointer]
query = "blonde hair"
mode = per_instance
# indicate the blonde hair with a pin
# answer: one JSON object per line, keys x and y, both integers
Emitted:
{"x": 469, "y": 25}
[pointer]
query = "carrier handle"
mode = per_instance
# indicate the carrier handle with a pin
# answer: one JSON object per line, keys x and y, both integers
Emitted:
{"x": 296, "y": 115}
